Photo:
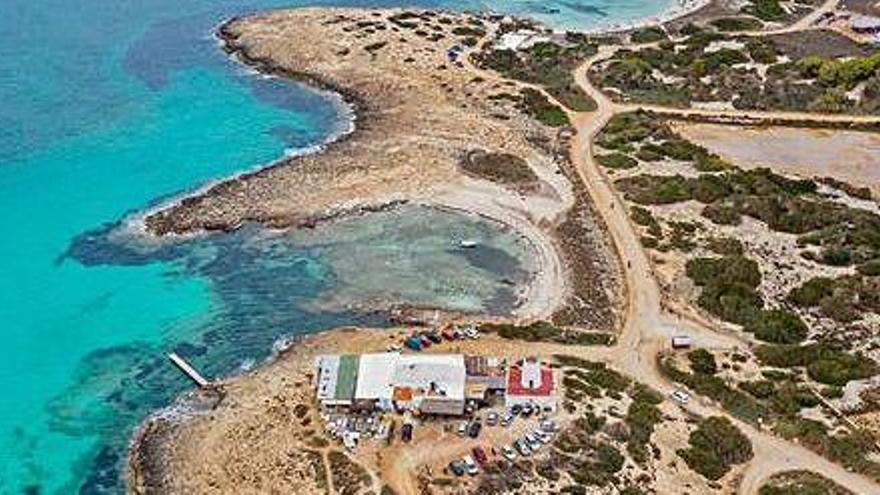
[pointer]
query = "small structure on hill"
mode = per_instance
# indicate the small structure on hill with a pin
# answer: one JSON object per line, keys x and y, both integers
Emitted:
{"x": 530, "y": 382}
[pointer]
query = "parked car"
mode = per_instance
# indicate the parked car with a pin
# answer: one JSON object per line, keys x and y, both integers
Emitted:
{"x": 471, "y": 466}
{"x": 681, "y": 396}
{"x": 527, "y": 410}
{"x": 433, "y": 337}
{"x": 508, "y": 453}
{"x": 532, "y": 441}
{"x": 474, "y": 429}
{"x": 426, "y": 342}
{"x": 480, "y": 455}
{"x": 548, "y": 425}
{"x": 406, "y": 432}
{"x": 448, "y": 335}
{"x": 516, "y": 409}
{"x": 492, "y": 418}
{"x": 541, "y": 436}
{"x": 414, "y": 342}
{"x": 458, "y": 468}
{"x": 522, "y": 447}
{"x": 507, "y": 420}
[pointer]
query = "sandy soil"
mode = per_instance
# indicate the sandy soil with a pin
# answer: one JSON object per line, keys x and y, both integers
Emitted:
{"x": 850, "y": 156}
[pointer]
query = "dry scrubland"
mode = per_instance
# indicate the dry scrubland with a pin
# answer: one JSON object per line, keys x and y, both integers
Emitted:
{"x": 787, "y": 261}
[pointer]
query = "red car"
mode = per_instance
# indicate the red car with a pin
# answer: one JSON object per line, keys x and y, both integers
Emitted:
{"x": 480, "y": 455}
{"x": 448, "y": 335}
{"x": 426, "y": 342}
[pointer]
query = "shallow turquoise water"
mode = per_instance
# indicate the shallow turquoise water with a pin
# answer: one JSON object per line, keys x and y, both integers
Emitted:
{"x": 108, "y": 107}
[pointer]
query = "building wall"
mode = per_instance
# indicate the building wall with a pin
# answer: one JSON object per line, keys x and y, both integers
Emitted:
{"x": 448, "y": 407}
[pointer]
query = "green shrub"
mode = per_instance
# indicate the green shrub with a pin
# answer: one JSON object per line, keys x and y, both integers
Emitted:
{"x": 768, "y": 10}
{"x": 777, "y": 326}
{"x": 535, "y": 104}
{"x": 650, "y": 34}
{"x": 715, "y": 446}
{"x": 616, "y": 160}
{"x": 728, "y": 269}
{"x": 760, "y": 389}
{"x": 722, "y": 214}
{"x": 823, "y": 363}
{"x": 730, "y": 24}
{"x": 725, "y": 246}
{"x": 703, "y": 362}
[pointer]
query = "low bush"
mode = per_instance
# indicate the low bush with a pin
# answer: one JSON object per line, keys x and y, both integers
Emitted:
{"x": 777, "y": 326}
{"x": 731, "y": 24}
{"x": 715, "y": 446}
{"x": 616, "y": 160}
{"x": 824, "y": 364}
{"x": 702, "y": 361}
{"x": 535, "y": 104}
{"x": 650, "y": 34}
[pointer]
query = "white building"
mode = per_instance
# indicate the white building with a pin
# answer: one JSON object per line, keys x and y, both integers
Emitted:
{"x": 531, "y": 382}
{"x": 424, "y": 383}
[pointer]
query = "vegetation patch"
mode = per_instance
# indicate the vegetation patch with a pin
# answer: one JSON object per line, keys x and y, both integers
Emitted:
{"x": 543, "y": 331}
{"x": 536, "y": 105}
{"x": 549, "y": 65}
{"x": 801, "y": 483}
{"x": 824, "y": 363}
{"x": 715, "y": 446}
{"x": 504, "y": 168}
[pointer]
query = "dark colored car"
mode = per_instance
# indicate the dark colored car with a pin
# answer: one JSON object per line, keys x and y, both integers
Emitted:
{"x": 434, "y": 337}
{"x": 406, "y": 432}
{"x": 458, "y": 468}
{"x": 516, "y": 409}
{"x": 474, "y": 429}
{"x": 480, "y": 455}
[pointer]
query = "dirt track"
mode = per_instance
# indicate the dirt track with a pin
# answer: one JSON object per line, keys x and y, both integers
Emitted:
{"x": 647, "y": 325}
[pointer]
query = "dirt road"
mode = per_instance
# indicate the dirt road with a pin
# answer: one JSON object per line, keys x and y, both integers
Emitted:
{"x": 647, "y": 326}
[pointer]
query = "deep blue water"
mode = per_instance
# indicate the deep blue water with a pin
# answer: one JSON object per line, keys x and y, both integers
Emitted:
{"x": 105, "y": 108}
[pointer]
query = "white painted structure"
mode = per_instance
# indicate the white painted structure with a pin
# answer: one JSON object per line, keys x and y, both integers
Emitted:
{"x": 428, "y": 383}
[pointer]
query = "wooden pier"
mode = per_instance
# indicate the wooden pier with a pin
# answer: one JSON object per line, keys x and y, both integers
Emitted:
{"x": 189, "y": 370}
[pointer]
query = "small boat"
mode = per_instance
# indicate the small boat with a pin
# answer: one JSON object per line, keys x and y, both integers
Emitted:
{"x": 467, "y": 244}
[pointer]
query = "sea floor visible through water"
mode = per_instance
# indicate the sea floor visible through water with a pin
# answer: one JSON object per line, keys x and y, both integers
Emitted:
{"x": 111, "y": 107}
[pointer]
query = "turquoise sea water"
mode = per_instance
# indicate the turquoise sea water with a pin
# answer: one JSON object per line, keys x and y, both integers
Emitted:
{"x": 109, "y": 107}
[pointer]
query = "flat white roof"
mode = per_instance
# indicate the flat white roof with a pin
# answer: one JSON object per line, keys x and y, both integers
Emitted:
{"x": 328, "y": 366}
{"x": 379, "y": 374}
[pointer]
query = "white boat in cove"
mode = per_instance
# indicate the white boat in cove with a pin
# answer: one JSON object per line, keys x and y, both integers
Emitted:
{"x": 467, "y": 244}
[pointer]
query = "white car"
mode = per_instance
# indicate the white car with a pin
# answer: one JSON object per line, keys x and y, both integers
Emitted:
{"x": 541, "y": 436}
{"x": 471, "y": 466}
{"x": 492, "y": 418}
{"x": 681, "y": 396}
{"x": 523, "y": 447}
{"x": 471, "y": 332}
{"x": 508, "y": 453}
{"x": 462, "y": 428}
{"x": 532, "y": 441}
